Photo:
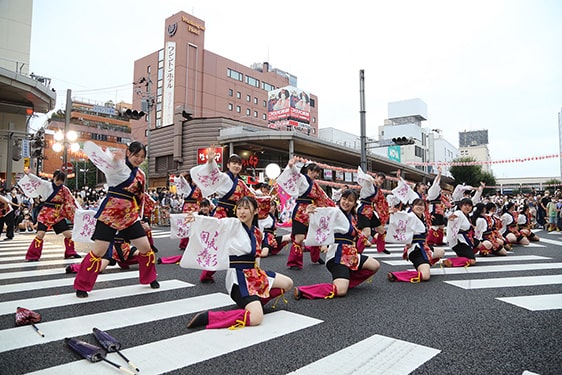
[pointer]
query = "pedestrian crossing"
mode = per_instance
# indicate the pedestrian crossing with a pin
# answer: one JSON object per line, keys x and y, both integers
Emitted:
{"x": 377, "y": 354}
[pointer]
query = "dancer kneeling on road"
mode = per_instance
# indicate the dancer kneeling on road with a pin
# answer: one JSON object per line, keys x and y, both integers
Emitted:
{"x": 419, "y": 252}
{"x": 349, "y": 268}
{"x": 249, "y": 286}
{"x": 120, "y": 211}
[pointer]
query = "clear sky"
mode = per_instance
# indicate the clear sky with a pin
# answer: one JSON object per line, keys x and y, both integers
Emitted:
{"x": 480, "y": 64}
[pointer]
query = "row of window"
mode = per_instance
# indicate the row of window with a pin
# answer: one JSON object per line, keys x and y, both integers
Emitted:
{"x": 249, "y": 80}
{"x": 248, "y": 111}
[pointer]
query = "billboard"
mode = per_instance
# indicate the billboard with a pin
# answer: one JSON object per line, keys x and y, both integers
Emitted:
{"x": 169, "y": 83}
{"x": 288, "y": 103}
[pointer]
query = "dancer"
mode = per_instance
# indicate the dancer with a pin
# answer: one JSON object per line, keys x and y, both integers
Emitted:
{"x": 302, "y": 184}
{"x": 249, "y": 286}
{"x": 204, "y": 210}
{"x": 6, "y": 210}
{"x": 58, "y": 207}
{"x": 372, "y": 213}
{"x": 460, "y": 236}
{"x": 119, "y": 211}
{"x": 490, "y": 242}
{"x": 191, "y": 198}
{"x": 418, "y": 251}
{"x": 438, "y": 204}
{"x": 272, "y": 244}
{"x": 228, "y": 186}
{"x": 524, "y": 223}
{"x": 510, "y": 229}
{"x": 348, "y": 267}
{"x": 119, "y": 252}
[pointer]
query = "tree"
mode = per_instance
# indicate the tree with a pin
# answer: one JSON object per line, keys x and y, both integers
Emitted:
{"x": 468, "y": 174}
{"x": 489, "y": 180}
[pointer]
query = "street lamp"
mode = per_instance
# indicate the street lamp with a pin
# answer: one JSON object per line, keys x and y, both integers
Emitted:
{"x": 62, "y": 142}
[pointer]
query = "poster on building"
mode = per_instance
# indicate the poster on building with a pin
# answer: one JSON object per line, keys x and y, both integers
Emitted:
{"x": 288, "y": 103}
{"x": 169, "y": 83}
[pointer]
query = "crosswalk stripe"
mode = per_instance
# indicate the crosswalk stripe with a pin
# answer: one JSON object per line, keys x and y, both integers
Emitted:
{"x": 60, "y": 262}
{"x": 539, "y": 302}
{"x": 171, "y": 354}
{"x": 508, "y": 258}
{"x": 374, "y": 355}
{"x": 506, "y": 282}
{"x": 500, "y": 268}
{"x": 19, "y": 337}
{"x": 59, "y": 254}
{"x": 55, "y": 283}
{"x": 9, "y": 307}
{"x": 34, "y": 273}
{"x": 23, "y": 249}
{"x": 21, "y": 252}
{"x": 552, "y": 242}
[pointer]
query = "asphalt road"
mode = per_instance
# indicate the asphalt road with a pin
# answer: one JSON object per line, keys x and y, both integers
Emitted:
{"x": 453, "y": 324}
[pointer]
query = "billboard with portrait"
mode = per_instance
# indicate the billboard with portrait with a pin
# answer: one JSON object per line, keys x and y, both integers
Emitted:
{"x": 288, "y": 103}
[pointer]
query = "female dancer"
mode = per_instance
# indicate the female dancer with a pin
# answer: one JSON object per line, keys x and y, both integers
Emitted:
{"x": 524, "y": 223}
{"x": 348, "y": 267}
{"x": 248, "y": 285}
{"x": 272, "y": 244}
{"x": 419, "y": 252}
{"x": 373, "y": 211}
{"x": 485, "y": 223}
{"x": 308, "y": 192}
{"x": 58, "y": 207}
{"x": 229, "y": 188}
{"x": 510, "y": 229}
{"x": 191, "y": 198}
{"x": 460, "y": 236}
{"x": 119, "y": 211}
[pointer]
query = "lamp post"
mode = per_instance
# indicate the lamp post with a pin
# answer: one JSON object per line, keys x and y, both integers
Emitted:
{"x": 63, "y": 141}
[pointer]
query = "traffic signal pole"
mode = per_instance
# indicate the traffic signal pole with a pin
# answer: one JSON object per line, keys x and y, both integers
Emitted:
{"x": 67, "y": 125}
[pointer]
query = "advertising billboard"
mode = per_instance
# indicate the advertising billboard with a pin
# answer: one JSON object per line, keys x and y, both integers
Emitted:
{"x": 288, "y": 103}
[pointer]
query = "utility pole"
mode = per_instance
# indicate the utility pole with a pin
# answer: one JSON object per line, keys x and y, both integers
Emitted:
{"x": 363, "y": 120}
{"x": 66, "y": 125}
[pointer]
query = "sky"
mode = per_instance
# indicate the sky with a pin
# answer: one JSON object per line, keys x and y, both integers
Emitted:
{"x": 480, "y": 64}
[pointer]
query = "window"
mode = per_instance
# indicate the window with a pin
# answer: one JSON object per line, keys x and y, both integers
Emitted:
{"x": 267, "y": 87}
{"x": 234, "y": 74}
{"x": 265, "y": 103}
{"x": 248, "y": 111}
{"x": 230, "y": 92}
{"x": 238, "y": 95}
{"x": 230, "y": 106}
{"x": 148, "y": 69}
{"x": 160, "y": 74}
{"x": 238, "y": 109}
{"x": 264, "y": 116}
{"x": 255, "y": 100}
{"x": 419, "y": 151}
{"x": 248, "y": 98}
{"x": 256, "y": 114}
{"x": 252, "y": 81}
{"x": 161, "y": 55}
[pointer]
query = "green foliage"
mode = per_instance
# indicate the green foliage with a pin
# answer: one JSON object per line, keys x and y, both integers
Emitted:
{"x": 468, "y": 174}
{"x": 553, "y": 184}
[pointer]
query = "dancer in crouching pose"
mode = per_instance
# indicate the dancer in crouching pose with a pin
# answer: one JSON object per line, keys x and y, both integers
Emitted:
{"x": 510, "y": 229}
{"x": 349, "y": 268}
{"x": 490, "y": 241}
{"x": 301, "y": 184}
{"x": 272, "y": 244}
{"x": 524, "y": 224}
{"x": 249, "y": 286}
{"x": 372, "y": 214}
{"x": 120, "y": 211}
{"x": 58, "y": 207}
{"x": 419, "y": 252}
{"x": 460, "y": 236}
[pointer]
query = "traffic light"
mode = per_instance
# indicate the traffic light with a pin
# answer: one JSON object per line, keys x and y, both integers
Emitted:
{"x": 401, "y": 141}
{"x": 37, "y": 144}
{"x": 16, "y": 150}
{"x": 134, "y": 114}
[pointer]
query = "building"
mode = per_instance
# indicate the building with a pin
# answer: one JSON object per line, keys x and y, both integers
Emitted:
{"x": 474, "y": 144}
{"x": 21, "y": 93}
{"x": 103, "y": 123}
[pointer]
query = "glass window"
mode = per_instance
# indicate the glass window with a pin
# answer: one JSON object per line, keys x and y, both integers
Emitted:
{"x": 230, "y": 106}
{"x": 234, "y": 74}
{"x": 148, "y": 69}
{"x": 238, "y": 95}
{"x": 267, "y": 87}
{"x": 248, "y": 111}
{"x": 252, "y": 81}
{"x": 230, "y": 92}
{"x": 160, "y": 74}
{"x": 256, "y": 114}
{"x": 238, "y": 109}
{"x": 248, "y": 98}
{"x": 161, "y": 55}
{"x": 264, "y": 116}
{"x": 255, "y": 100}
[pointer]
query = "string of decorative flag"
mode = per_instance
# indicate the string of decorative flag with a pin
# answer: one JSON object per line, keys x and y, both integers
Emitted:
{"x": 469, "y": 163}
